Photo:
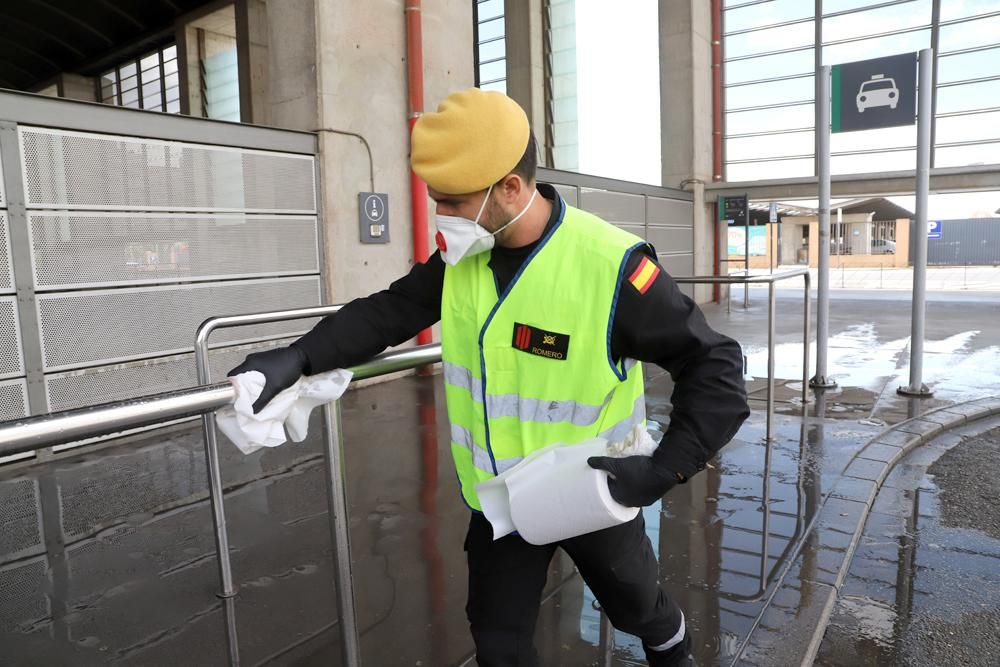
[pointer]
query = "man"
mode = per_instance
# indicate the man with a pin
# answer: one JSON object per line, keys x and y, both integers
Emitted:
{"x": 545, "y": 311}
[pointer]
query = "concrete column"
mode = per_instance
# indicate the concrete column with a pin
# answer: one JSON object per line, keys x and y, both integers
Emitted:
{"x": 686, "y": 114}
{"x": 253, "y": 54}
{"x": 525, "y": 60}
{"x": 76, "y": 87}
{"x": 345, "y": 70}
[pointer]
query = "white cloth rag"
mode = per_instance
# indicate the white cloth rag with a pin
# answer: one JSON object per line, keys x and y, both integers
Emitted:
{"x": 553, "y": 494}
{"x": 289, "y": 410}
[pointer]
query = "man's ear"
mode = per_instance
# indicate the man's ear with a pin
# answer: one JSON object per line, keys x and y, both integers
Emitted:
{"x": 511, "y": 188}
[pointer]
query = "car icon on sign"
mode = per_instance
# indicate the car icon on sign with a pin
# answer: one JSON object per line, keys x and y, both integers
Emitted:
{"x": 877, "y": 91}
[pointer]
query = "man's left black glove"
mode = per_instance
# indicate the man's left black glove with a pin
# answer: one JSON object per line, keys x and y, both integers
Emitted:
{"x": 635, "y": 481}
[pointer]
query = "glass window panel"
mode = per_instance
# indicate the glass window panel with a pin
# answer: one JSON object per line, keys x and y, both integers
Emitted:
{"x": 969, "y": 65}
{"x": 563, "y": 85}
{"x": 492, "y": 50}
{"x": 765, "y": 67}
{"x": 775, "y": 92}
{"x": 129, "y": 83}
{"x": 109, "y": 93}
{"x": 150, "y": 61}
{"x": 564, "y": 62}
{"x": 489, "y": 9}
{"x": 767, "y": 13}
{"x": 491, "y": 71}
{"x": 109, "y": 78}
{"x": 173, "y": 106}
{"x": 960, "y": 156}
{"x": 770, "y": 146}
{"x": 876, "y": 47}
{"x": 968, "y": 97}
{"x": 888, "y": 137}
{"x": 491, "y": 29}
{"x": 169, "y": 66}
{"x": 969, "y": 127}
{"x": 130, "y": 98}
{"x": 956, "y": 9}
{"x": 562, "y": 13}
{"x": 873, "y": 162}
{"x": 771, "y": 39}
{"x": 150, "y": 88}
{"x": 886, "y": 19}
{"x": 833, "y": 6}
{"x": 753, "y": 171}
{"x": 499, "y": 86}
{"x": 171, "y": 80}
{"x": 765, "y": 120}
{"x": 170, "y": 53}
{"x": 563, "y": 38}
{"x": 126, "y": 70}
{"x": 982, "y": 32}
{"x": 154, "y": 101}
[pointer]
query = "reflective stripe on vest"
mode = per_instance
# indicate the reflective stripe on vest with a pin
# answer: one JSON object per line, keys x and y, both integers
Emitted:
{"x": 480, "y": 457}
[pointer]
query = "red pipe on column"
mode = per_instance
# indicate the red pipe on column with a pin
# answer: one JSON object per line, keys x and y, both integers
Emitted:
{"x": 415, "y": 87}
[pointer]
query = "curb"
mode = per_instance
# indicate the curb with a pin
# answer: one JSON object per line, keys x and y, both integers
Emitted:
{"x": 852, "y": 497}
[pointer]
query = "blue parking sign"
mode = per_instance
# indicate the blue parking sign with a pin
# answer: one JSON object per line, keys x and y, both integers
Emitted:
{"x": 934, "y": 229}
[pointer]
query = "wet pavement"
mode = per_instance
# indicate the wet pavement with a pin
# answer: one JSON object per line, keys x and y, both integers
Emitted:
{"x": 924, "y": 585}
{"x": 108, "y": 556}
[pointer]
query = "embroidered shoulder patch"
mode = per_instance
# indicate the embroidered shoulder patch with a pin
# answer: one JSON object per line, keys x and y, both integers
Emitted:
{"x": 644, "y": 275}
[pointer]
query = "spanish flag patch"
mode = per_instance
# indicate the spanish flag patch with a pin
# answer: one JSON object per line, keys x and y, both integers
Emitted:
{"x": 644, "y": 275}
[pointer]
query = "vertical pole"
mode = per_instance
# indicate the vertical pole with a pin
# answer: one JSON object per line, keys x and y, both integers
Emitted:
{"x": 215, "y": 489}
{"x": 806, "y": 330}
{"x": 746, "y": 259}
{"x": 770, "y": 361}
{"x": 924, "y": 121}
{"x": 337, "y": 495}
{"x": 607, "y": 641}
{"x": 820, "y": 380}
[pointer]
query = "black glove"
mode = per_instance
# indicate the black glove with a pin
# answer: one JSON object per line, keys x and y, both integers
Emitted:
{"x": 635, "y": 481}
{"x": 281, "y": 367}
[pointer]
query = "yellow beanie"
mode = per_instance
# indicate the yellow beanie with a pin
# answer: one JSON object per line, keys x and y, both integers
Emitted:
{"x": 474, "y": 139}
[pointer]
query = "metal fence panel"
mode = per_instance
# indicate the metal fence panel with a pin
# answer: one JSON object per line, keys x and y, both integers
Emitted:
{"x": 964, "y": 242}
{"x": 81, "y": 170}
{"x": 100, "y": 249}
{"x": 110, "y": 326}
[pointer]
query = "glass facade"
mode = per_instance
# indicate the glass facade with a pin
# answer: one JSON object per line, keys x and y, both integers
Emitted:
{"x": 604, "y": 88}
{"x": 150, "y": 82}
{"x": 770, "y": 52}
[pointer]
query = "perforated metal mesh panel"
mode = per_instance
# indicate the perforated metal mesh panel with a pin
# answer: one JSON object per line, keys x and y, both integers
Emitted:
{"x": 11, "y": 359}
{"x": 92, "y": 249}
{"x": 121, "y": 382}
{"x": 6, "y": 276}
{"x": 13, "y": 399}
{"x": 19, "y": 518}
{"x": 91, "y": 327}
{"x": 22, "y": 589}
{"x": 93, "y": 171}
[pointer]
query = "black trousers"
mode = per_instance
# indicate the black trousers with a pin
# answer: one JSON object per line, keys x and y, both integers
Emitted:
{"x": 506, "y": 578}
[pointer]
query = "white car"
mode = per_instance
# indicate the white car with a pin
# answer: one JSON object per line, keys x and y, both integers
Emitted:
{"x": 877, "y": 91}
{"x": 883, "y": 247}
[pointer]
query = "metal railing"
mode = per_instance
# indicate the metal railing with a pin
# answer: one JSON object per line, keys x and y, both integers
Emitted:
{"x": 33, "y": 433}
{"x": 770, "y": 279}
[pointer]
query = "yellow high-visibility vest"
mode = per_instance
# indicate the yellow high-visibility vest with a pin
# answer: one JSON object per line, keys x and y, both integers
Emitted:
{"x": 532, "y": 366}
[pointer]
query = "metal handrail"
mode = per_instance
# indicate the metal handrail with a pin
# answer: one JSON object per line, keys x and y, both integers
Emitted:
{"x": 770, "y": 279}
{"x": 38, "y": 432}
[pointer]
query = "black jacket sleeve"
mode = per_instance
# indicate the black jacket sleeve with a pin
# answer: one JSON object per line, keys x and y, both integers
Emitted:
{"x": 665, "y": 327}
{"x": 366, "y": 326}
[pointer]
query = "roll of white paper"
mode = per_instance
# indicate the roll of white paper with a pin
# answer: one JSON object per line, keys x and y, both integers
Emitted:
{"x": 554, "y": 495}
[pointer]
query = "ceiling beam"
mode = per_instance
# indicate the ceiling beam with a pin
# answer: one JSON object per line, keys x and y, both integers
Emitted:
{"x": 73, "y": 19}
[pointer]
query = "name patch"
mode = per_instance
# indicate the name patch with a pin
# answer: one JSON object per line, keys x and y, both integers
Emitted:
{"x": 540, "y": 342}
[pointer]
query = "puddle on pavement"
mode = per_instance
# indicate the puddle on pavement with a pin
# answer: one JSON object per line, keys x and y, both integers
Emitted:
{"x": 924, "y": 585}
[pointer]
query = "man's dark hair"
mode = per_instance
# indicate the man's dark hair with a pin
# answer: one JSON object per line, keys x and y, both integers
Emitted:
{"x": 528, "y": 164}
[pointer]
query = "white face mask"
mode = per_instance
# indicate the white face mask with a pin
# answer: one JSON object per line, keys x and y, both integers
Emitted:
{"x": 460, "y": 237}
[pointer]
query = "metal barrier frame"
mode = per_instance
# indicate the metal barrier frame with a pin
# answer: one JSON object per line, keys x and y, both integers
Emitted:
{"x": 770, "y": 279}
{"x": 33, "y": 433}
